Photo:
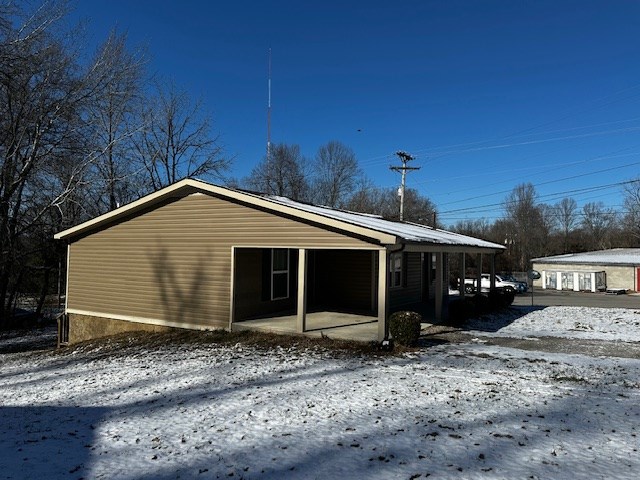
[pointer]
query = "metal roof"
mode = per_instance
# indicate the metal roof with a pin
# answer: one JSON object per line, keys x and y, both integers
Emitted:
{"x": 386, "y": 232}
{"x": 407, "y": 231}
{"x": 615, "y": 256}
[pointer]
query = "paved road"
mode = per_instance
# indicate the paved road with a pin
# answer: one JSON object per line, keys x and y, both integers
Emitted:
{"x": 548, "y": 298}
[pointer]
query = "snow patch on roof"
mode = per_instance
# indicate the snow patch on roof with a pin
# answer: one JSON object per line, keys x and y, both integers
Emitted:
{"x": 409, "y": 232}
{"x": 616, "y": 256}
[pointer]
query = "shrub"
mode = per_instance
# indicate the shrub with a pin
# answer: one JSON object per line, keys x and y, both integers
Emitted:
{"x": 500, "y": 298}
{"x": 404, "y": 327}
{"x": 497, "y": 299}
{"x": 481, "y": 303}
{"x": 461, "y": 310}
{"x": 509, "y": 297}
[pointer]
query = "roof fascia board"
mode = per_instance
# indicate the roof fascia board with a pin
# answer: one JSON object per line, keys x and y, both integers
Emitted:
{"x": 590, "y": 263}
{"x": 436, "y": 247}
{"x": 381, "y": 237}
{"x": 122, "y": 211}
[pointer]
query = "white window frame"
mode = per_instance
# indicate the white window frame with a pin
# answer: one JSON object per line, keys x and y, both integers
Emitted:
{"x": 280, "y": 272}
{"x": 396, "y": 264}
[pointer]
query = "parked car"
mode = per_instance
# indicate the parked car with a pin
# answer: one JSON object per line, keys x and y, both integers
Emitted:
{"x": 522, "y": 286}
{"x": 507, "y": 283}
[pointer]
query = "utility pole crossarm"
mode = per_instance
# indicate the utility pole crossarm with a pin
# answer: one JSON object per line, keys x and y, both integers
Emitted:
{"x": 404, "y": 158}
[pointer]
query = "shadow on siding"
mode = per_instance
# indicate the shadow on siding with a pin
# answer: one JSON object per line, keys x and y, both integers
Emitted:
{"x": 184, "y": 288}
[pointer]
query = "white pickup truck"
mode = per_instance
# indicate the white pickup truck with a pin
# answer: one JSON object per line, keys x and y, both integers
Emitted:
{"x": 509, "y": 284}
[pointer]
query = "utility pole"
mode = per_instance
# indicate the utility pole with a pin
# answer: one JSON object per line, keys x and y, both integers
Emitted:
{"x": 404, "y": 158}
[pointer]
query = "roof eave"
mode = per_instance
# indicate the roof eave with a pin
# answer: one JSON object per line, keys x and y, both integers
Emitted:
{"x": 379, "y": 237}
{"x": 113, "y": 215}
{"x": 451, "y": 248}
{"x": 590, "y": 263}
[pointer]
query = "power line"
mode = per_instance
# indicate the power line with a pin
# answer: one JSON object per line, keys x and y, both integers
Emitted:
{"x": 534, "y": 142}
{"x": 550, "y": 195}
{"x": 572, "y": 177}
{"x": 544, "y": 167}
{"x": 435, "y": 155}
{"x": 565, "y": 116}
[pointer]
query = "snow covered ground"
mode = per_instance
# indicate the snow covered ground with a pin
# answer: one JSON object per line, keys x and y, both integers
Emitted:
{"x": 617, "y": 324}
{"x": 213, "y": 411}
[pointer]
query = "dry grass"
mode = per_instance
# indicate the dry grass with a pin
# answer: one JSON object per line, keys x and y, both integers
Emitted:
{"x": 125, "y": 342}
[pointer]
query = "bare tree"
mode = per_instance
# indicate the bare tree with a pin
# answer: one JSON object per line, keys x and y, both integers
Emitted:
{"x": 417, "y": 208}
{"x": 386, "y": 203}
{"x": 39, "y": 97}
{"x": 283, "y": 173}
{"x": 567, "y": 219}
{"x": 45, "y": 139}
{"x": 631, "y": 219}
{"x": 504, "y": 232}
{"x": 480, "y": 228}
{"x": 367, "y": 198}
{"x": 335, "y": 173}
{"x": 115, "y": 115}
{"x": 598, "y": 222}
{"x": 177, "y": 141}
{"x": 528, "y": 228}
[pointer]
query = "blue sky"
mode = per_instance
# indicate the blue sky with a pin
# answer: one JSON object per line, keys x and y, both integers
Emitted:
{"x": 485, "y": 94}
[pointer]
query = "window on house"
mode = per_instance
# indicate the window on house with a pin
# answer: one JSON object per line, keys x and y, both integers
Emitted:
{"x": 279, "y": 273}
{"x": 395, "y": 267}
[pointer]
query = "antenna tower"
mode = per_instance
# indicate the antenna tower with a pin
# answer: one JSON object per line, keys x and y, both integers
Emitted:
{"x": 269, "y": 112}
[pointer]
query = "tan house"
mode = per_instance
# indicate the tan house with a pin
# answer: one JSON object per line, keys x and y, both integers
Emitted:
{"x": 200, "y": 256}
{"x": 614, "y": 269}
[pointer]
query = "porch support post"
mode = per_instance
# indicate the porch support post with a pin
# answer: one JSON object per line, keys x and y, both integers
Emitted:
{"x": 492, "y": 271}
{"x": 479, "y": 273}
{"x": 301, "y": 319}
{"x": 463, "y": 270}
{"x": 232, "y": 289}
{"x": 383, "y": 293}
{"x": 439, "y": 285}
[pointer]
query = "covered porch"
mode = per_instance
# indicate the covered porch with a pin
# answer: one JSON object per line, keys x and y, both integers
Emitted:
{"x": 319, "y": 291}
{"x": 343, "y": 293}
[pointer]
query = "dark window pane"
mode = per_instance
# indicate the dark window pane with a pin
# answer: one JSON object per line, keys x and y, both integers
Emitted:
{"x": 280, "y": 285}
{"x": 280, "y": 259}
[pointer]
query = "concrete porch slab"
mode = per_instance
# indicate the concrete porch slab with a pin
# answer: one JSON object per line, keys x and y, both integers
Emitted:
{"x": 336, "y": 325}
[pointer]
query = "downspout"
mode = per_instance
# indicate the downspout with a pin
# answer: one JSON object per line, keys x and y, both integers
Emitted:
{"x": 66, "y": 286}
{"x": 63, "y": 318}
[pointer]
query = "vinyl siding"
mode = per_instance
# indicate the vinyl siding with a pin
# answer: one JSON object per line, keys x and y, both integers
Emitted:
{"x": 173, "y": 263}
{"x": 253, "y": 287}
{"x": 410, "y": 292}
{"x": 343, "y": 281}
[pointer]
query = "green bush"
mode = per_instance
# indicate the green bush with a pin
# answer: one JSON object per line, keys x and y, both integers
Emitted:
{"x": 404, "y": 327}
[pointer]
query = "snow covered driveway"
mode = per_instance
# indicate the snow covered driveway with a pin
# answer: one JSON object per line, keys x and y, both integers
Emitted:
{"x": 213, "y": 411}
